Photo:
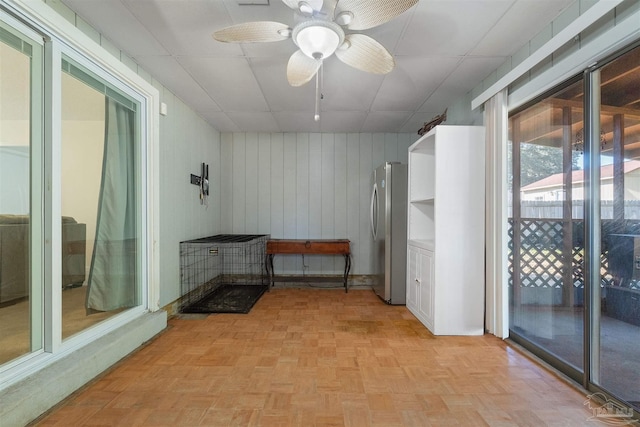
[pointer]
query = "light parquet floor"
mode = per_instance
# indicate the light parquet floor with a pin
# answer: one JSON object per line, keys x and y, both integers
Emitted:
{"x": 309, "y": 357}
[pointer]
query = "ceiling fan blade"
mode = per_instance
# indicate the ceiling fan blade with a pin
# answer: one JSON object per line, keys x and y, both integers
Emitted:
{"x": 301, "y": 69}
{"x": 254, "y": 32}
{"x": 369, "y": 14}
{"x": 366, "y": 54}
{"x": 329, "y": 7}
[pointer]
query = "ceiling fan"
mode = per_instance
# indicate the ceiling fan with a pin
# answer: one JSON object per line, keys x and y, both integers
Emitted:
{"x": 322, "y": 30}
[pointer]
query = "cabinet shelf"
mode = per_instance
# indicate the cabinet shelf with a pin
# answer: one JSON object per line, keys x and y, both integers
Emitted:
{"x": 424, "y": 200}
{"x": 428, "y": 244}
{"x": 446, "y": 209}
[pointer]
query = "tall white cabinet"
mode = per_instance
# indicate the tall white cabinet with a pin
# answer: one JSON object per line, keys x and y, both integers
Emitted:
{"x": 445, "y": 230}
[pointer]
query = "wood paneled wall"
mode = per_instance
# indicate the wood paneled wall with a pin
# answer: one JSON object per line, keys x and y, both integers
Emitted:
{"x": 305, "y": 186}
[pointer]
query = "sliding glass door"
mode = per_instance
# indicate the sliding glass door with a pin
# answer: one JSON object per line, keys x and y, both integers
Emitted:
{"x": 100, "y": 200}
{"x": 547, "y": 290}
{"x": 616, "y": 344}
{"x": 21, "y": 219}
{"x": 575, "y": 228}
{"x": 72, "y": 252}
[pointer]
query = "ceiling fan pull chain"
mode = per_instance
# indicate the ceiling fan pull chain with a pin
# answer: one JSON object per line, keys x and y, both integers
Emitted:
{"x": 316, "y": 117}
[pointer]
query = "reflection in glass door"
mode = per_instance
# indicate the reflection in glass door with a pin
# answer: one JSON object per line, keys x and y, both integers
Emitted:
{"x": 100, "y": 200}
{"x": 616, "y": 365}
{"x": 575, "y": 228}
{"x": 546, "y": 289}
{"x": 20, "y": 195}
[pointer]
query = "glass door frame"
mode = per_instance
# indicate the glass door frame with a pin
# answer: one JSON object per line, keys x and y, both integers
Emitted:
{"x": 59, "y": 39}
{"x": 573, "y": 372}
{"x": 590, "y": 375}
{"x": 593, "y": 228}
{"x": 38, "y": 176}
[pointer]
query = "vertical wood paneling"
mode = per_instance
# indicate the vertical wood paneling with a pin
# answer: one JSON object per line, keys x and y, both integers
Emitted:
{"x": 251, "y": 184}
{"x": 264, "y": 183}
{"x": 404, "y": 141}
{"x": 354, "y": 215}
{"x": 327, "y": 180}
{"x": 290, "y": 196}
{"x": 215, "y": 189}
{"x": 378, "y": 153}
{"x": 366, "y": 181}
{"x": 340, "y": 192}
{"x": 226, "y": 181}
{"x": 239, "y": 179}
{"x": 390, "y": 147}
{"x": 302, "y": 186}
{"x": 315, "y": 198}
{"x": 305, "y": 186}
{"x": 276, "y": 228}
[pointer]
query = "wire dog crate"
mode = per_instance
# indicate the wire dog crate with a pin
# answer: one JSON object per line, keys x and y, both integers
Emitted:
{"x": 209, "y": 262}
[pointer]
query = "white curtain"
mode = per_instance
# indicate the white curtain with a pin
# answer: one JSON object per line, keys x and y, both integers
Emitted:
{"x": 497, "y": 293}
{"x": 112, "y": 276}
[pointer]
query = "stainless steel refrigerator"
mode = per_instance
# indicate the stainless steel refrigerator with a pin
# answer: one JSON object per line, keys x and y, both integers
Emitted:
{"x": 389, "y": 231}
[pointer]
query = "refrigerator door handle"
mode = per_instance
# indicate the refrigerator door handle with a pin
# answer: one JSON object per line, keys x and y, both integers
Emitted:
{"x": 374, "y": 211}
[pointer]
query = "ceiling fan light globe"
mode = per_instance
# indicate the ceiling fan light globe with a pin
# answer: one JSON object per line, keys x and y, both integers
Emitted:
{"x": 318, "y": 39}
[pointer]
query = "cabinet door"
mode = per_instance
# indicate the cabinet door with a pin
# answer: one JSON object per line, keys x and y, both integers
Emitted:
{"x": 426, "y": 293}
{"x": 413, "y": 279}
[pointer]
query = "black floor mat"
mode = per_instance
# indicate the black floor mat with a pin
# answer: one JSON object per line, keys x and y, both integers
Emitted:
{"x": 228, "y": 299}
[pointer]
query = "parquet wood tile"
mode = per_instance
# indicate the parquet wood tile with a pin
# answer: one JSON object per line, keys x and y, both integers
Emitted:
{"x": 321, "y": 358}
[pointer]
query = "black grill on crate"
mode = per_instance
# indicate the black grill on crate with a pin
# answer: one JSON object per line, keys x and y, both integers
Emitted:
{"x": 208, "y": 263}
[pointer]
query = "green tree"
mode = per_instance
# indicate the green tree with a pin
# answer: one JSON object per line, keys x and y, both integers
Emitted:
{"x": 540, "y": 161}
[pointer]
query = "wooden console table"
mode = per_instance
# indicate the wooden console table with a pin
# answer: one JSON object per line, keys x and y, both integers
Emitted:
{"x": 308, "y": 247}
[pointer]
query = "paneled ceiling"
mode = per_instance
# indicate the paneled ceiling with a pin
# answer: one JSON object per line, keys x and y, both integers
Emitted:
{"x": 442, "y": 49}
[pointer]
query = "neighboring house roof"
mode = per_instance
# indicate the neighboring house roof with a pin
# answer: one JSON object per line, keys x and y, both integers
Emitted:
{"x": 577, "y": 176}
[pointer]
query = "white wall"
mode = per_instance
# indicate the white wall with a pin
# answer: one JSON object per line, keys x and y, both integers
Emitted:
{"x": 186, "y": 141}
{"x": 305, "y": 186}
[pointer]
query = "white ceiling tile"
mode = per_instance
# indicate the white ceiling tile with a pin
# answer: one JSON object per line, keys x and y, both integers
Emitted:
{"x": 462, "y": 80}
{"x": 449, "y": 27}
{"x": 168, "y": 71}
{"x": 276, "y": 11}
{"x": 271, "y": 74}
{"x": 229, "y": 81}
{"x": 114, "y": 21}
{"x": 243, "y": 87}
{"x": 221, "y": 122}
{"x": 389, "y": 33}
{"x": 254, "y": 121}
{"x": 346, "y": 88}
{"x": 412, "y": 80}
{"x": 521, "y": 22}
{"x": 342, "y": 121}
{"x": 185, "y": 30}
{"x": 384, "y": 121}
{"x": 297, "y": 121}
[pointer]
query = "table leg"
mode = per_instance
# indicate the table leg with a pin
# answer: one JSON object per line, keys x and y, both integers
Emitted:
{"x": 347, "y": 267}
{"x": 271, "y": 268}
